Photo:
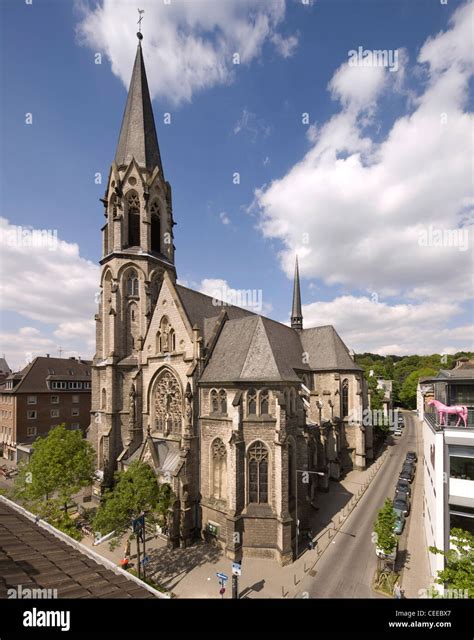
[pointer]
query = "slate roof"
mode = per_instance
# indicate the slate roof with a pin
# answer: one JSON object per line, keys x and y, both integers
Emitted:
{"x": 202, "y": 312}
{"x": 34, "y": 376}
{"x": 255, "y": 348}
{"x": 138, "y": 137}
{"x": 167, "y": 453}
{"x": 4, "y": 368}
{"x": 459, "y": 373}
{"x": 326, "y": 350}
{"x": 252, "y": 347}
{"x": 35, "y": 558}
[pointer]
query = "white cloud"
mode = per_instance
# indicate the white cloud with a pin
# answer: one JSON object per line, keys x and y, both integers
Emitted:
{"x": 49, "y": 283}
{"x": 224, "y": 218}
{"x": 286, "y": 47}
{"x": 392, "y": 329}
{"x": 354, "y": 207}
{"x": 189, "y": 46}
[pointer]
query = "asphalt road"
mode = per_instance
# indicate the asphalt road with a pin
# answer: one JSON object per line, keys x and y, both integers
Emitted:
{"x": 347, "y": 567}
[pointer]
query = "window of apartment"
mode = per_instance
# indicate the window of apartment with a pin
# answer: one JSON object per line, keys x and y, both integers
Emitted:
{"x": 54, "y": 399}
{"x": 75, "y": 385}
{"x": 75, "y": 426}
{"x": 75, "y": 399}
{"x": 31, "y": 400}
{"x": 31, "y": 415}
{"x": 51, "y": 372}
{"x": 58, "y": 385}
{"x": 462, "y": 394}
{"x": 55, "y": 413}
{"x": 462, "y": 468}
{"x": 75, "y": 411}
{"x": 461, "y": 518}
{"x": 30, "y": 431}
{"x": 87, "y": 385}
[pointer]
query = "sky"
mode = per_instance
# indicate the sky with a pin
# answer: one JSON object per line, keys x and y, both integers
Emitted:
{"x": 361, "y": 166}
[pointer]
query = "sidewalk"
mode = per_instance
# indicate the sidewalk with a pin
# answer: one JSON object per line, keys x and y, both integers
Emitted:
{"x": 191, "y": 573}
{"x": 416, "y": 573}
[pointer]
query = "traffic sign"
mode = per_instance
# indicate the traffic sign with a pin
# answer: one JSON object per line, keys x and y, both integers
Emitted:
{"x": 236, "y": 569}
{"x": 222, "y": 576}
{"x": 222, "y": 591}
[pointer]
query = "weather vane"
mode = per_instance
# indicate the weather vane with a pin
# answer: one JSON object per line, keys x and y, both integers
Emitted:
{"x": 140, "y": 13}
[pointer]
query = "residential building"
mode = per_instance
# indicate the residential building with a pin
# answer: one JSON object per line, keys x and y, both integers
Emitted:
{"x": 4, "y": 370}
{"x": 47, "y": 392}
{"x": 448, "y": 459}
{"x": 237, "y": 412}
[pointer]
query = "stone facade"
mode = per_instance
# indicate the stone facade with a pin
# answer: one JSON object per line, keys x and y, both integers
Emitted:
{"x": 245, "y": 418}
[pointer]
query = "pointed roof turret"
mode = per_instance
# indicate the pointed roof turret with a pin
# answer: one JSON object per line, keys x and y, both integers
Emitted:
{"x": 138, "y": 137}
{"x": 296, "y": 313}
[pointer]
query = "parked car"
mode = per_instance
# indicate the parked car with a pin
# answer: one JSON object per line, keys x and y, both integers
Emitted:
{"x": 400, "y": 418}
{"x": 407, "y": 473}
{"x": 399, "y": 522}
{"x": 402, "y": 502}
{"x": 411, "y": 457}
{"x": 386, "y": 556}
{"x": 409, "y": 465}
{"x": 403, "y": 486}
{"x": 397, "y": 432}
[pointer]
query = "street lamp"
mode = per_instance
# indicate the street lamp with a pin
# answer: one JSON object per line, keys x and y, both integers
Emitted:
{"x": 316, "y": 473}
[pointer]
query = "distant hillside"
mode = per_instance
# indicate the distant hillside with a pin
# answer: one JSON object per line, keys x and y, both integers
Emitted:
{"x": 404, "y": 371}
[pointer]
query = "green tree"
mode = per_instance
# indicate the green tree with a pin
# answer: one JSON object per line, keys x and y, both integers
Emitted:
{"x": 61, "y": 464}
{"x": 383, "y": 527}
{"x": 135, "y": 491}
{"x": 459, "y": 570}
{"x": 407, "y": 393}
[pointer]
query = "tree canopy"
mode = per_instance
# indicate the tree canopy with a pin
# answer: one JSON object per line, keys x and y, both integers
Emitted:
{"x": 458, "y": 573}
{"x": 135, "y": 491}
{"x": 61, "y": 464}
{"x": 383, "y": 528}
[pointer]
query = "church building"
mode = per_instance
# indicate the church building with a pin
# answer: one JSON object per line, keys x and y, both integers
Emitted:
{"x": 241, "y": 415}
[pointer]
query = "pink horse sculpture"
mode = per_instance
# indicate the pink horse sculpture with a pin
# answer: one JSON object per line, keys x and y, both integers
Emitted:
{"x": 443, "y": 410}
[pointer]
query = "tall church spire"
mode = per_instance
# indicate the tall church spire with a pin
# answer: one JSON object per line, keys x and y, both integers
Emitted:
{"x": 296, "y": 313}
{"x": 138, "y": 137}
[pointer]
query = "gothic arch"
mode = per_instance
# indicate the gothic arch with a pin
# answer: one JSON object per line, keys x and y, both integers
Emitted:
{"x": 218, "y": 469}
{"x": 165, "y": 402}
{"x": 345, "y": 398}
{"x": 107, "y": 318}
{"x": 156, "y": 226}
{"x": 132, "y": 332}
{"x": 258, "y": 465}
{"x": 132, "y": 216}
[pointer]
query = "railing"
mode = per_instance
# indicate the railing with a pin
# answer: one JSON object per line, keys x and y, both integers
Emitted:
{"x": 433, "y": 418}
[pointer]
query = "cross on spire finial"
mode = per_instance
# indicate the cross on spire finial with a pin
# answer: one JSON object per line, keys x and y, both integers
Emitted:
{"x": 140, "y": 13}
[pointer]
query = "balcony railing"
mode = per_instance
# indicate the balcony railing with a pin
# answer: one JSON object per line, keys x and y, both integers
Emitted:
{"x": 433, "y": 419}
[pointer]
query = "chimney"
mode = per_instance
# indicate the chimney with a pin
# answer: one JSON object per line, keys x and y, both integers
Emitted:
{"x": 47, "y": 355}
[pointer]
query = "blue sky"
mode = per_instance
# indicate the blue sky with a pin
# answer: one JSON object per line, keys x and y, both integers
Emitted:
{"x": 248, "y": 119}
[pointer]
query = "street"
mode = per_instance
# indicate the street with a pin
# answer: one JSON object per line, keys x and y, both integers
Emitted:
{"x": 347, "y": 567}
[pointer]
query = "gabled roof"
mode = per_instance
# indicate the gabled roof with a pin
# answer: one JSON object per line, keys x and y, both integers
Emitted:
{"x": 4, "y": 368}
{"x": 255, "y": 348}
{"x": 35, "y": 375}
{"x": 138, "y": 137}
{"x": 326, "y": 350}
{"x": 203, "y": 312}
